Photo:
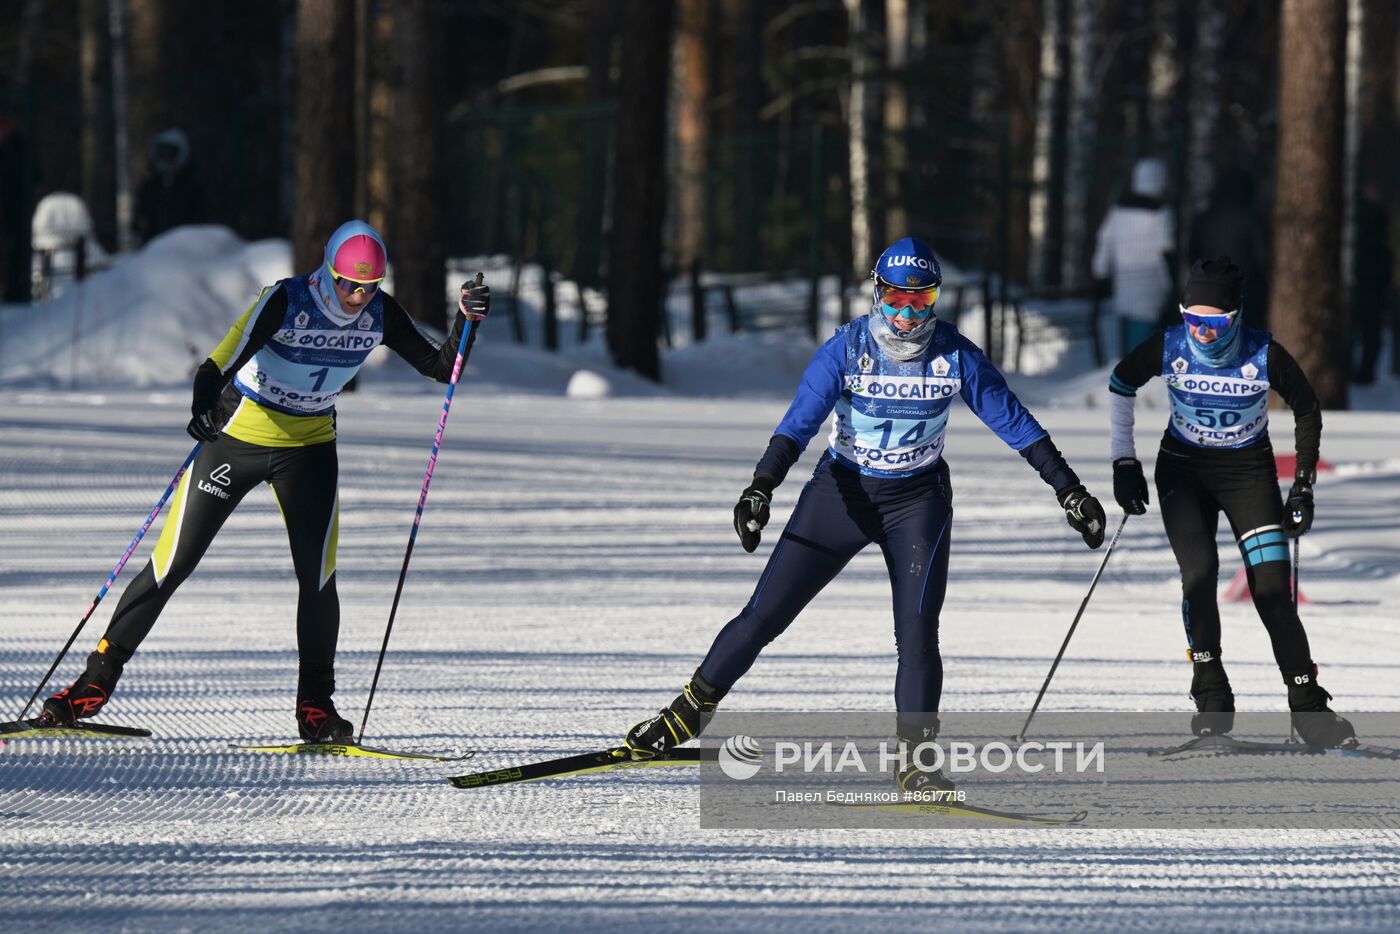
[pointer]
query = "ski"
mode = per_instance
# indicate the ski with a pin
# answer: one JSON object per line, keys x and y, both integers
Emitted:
{"x": 30, "y": 729}
{"x": 349, "y": 750}
{"x": 1369, "y": 751}
{"x": 1226, "y": 745}
{"x": 589, "y": 763}
{"x": 959, "y": 809}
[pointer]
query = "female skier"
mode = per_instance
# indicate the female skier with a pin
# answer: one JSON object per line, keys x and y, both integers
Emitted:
{"x": 264, "y": 411}
{"x": 1216, "y": 456}
{"x": 891, "y": 377}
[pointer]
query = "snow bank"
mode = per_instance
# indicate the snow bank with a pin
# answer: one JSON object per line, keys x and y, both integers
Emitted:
{"x": 147, "y": 321}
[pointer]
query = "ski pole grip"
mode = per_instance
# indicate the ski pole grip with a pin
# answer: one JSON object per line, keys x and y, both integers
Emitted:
{"x": 467, "y": 288}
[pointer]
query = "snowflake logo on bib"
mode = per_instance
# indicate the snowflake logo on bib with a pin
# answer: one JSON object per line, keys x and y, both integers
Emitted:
{"x": 1179, "y": 365}
{"x": 1249, "y": 371}
{"x": 941, "y": 366}
{"x": 303, "y": 320}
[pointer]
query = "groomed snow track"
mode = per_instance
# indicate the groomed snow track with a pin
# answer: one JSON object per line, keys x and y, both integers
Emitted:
{"x": 574, "y": 563}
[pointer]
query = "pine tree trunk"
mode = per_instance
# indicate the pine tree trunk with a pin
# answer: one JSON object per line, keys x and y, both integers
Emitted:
{"x": 639, "y": 188}
{"x": 692, "y": 87}
{"x": 325, "y": 128}
{"x": 1351, "y": 146}
{"x": 1379, "y": 120}
{"x": 378, "y": 137}
{"x": 1047, "y": 163}
{"x": 148, "y": 30}
{"x": 118, "y": 26}
{"x": 863, "y": 120}
{"x": 1307, "y": 313}
{"x": 751, "y": 201}
{"x": 99, "y": 179}
{"x": 1082, "y": 137}
{"x": 21, "y": 59}
{"x": 1163, "y": 75}
{"x": 1204, "y": 117}
{"x": 419, "y": 220}
{"x": 1020, "y": 68}
{"x": 590, "y": 223}
{"x": 899, "y": 35}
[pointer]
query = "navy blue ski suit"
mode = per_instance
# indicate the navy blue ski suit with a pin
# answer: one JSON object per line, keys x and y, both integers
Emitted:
{"x": 882, "y": 479}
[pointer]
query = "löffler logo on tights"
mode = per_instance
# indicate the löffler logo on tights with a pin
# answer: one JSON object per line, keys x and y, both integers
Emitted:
{"x": 219, "y": 475}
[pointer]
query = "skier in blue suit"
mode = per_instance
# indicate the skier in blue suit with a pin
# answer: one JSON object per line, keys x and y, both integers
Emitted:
{"x": 890, "y": 377}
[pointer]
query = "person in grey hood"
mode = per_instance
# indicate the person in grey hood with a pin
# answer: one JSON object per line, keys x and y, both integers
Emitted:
{"x": 1132, "y": 253}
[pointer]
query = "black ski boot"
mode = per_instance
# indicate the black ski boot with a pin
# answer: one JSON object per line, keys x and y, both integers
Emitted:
{"x": 919, "y": 783}
{"x": 86, "y": 696}
{"x": 679, "y": 722}
{"x": 913, "y": 780}
{"x": 1315, "y": 722}
{"x": 1215, "y": 702}
{"x": 318, "y": 722}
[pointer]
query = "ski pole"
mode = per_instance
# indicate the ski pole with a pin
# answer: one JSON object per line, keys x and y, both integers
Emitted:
{"x": 1297, "y": 517}
{"x": 112, "y": 577}
{"x": 422, "y": 501}
{"x": 1295, "y": 577}
{"x": 1020, "y": 737}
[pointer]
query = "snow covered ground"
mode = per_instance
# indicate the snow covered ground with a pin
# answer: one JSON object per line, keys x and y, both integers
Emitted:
{"x": 574, "y": 563}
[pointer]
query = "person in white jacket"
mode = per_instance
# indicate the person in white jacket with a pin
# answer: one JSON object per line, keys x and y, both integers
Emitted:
{"x": 1132, "y": 253}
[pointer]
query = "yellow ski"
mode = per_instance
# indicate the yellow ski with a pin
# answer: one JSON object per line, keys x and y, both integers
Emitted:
{"x": 350, "y": 750}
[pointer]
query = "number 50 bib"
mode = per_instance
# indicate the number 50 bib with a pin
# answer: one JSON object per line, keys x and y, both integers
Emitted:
{"x": 1217, "y": 407}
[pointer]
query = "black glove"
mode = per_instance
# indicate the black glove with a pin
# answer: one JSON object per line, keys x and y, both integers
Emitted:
{"x": 1130, "y": 486}
{"x": 476, "y": 299}
{"x": 204, "y": 406}
{"x": 751, "y": 512}
{"x": 1083, "y": 513}
{"x": 1298, "y": 511}
{"x": 205, "y": 427}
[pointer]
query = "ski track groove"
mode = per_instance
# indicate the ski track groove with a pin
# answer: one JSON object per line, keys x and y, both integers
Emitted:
{"x": 615, "y": 576}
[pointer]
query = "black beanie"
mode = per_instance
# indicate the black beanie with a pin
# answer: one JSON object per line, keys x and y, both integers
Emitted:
{"x": 1218, "y": 283}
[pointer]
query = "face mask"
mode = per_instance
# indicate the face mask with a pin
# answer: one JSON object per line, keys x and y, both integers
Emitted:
{"x": 901, "y": 345}
{"x": 1220, "y": 352}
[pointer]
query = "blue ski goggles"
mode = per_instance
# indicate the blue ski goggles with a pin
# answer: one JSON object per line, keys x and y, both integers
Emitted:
{"x": 1219, "y": 322}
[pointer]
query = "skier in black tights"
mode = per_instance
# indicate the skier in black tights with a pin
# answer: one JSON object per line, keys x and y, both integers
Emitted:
{"x": 1216, "y": 457}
